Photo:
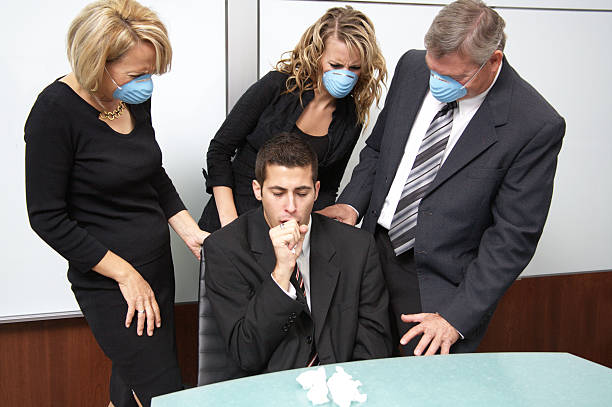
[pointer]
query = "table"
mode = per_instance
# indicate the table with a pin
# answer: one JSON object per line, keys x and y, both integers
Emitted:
{"x": 479, "y": 379}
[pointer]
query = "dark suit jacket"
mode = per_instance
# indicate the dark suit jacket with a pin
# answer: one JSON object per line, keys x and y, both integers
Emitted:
{"x": 264, "y": 329}
{"x": 479, "y": 224}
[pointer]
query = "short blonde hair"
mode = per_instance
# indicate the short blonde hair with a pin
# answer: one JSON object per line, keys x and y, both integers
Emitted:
{"x": 357, "y": 31}
{"x": 105, "y": 30}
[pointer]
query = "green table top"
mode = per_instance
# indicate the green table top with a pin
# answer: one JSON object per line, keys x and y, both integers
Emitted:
{"x": 479, "y": 379}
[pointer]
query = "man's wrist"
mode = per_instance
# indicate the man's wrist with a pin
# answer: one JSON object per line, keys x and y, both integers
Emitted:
{"x": 282, "y": 277}
{"x": 290, "y": 290}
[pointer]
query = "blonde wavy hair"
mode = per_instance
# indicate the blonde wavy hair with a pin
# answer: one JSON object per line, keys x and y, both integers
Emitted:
{"x": 357, "y": 31}
{"x": 105, "y": 30}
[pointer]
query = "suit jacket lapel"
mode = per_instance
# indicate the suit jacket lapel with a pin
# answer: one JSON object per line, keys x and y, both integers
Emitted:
{"x": 480, "y": 133}
{"x": 324, "y": 274}
{"x": 404, "y": 113}
{"x": 260, "y": 242}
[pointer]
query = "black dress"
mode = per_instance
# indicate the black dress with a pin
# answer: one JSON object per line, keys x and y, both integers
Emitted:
{"x": 264, "y": 111}
{"x": 90, "y": 189}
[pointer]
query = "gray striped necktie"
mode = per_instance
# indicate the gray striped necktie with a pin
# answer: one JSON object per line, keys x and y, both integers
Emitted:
{"x": 422, "y": 174}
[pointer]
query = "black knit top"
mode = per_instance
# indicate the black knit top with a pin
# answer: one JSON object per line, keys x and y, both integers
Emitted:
{"x": 90, "y": 189}
{"x": 265, "y": 110}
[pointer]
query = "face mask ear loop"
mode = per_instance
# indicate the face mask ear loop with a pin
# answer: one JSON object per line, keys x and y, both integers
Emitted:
{"x": 481, "y": 66}
{"x": 111, "y": 78}
{"x": 476, "y": 74}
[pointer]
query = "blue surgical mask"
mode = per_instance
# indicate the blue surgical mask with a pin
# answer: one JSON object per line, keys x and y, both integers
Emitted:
{"x": 339, "y": 82}
{"x": 136, "y": 91}
{"x": 446, "y": 89}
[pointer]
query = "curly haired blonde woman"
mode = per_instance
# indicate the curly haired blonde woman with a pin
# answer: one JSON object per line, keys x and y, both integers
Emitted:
{"x": 322, "y": 91}
{"x": 98, "y": 194}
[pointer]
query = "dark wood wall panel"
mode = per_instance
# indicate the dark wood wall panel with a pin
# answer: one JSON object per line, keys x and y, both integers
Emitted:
{"x": 562, "y": 313}
{"x": 52, "y": 363}
{"x": 186, "y": 321}
{"x": 57, "y": 362}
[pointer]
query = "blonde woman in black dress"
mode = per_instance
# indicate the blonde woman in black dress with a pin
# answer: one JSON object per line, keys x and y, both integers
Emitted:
{"x": 98, "y": 194}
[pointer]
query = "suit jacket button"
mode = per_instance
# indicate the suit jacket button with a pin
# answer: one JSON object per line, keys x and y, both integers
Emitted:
{"x": 293, "y": 315}
{"x": 285, "y": 328}
{"x": 309, "y": 339}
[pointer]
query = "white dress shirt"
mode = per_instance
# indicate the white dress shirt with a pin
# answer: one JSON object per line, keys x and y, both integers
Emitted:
{"x": 466, "y": 109}
{"x": 303, "y": 262}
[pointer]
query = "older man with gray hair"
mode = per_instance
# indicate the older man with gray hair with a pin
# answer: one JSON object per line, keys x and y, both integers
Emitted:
{"x": 455, "y": 180}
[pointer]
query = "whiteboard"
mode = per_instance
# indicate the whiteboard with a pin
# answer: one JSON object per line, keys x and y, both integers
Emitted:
{"x": 565, "y": 54}
{"x": 188, "y": 106}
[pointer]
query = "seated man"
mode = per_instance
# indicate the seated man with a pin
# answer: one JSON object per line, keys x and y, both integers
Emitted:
{"x": 290, "y": 288}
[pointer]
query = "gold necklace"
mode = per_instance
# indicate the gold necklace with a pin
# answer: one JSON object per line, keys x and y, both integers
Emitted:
{"x": 112, "y": 115}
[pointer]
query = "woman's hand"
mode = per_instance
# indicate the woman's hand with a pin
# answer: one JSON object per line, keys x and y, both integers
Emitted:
{"x": 194, "y": 243}
{"x": 187, "y": 228}
{"x": 141, "y": 300}
{"x": 136, "y": 291}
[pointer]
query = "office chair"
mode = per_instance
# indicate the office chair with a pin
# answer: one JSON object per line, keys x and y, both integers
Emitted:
{"x": 214, "y": 363}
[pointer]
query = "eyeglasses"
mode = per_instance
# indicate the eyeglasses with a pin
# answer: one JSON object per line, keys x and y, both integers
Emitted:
{"x": 437, "y": 76}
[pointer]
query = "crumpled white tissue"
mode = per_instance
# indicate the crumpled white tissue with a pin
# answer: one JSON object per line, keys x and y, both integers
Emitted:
{"x": 314, "y": 382}
{"x": 341, "y": 386}
{"x": 344, "y": 389}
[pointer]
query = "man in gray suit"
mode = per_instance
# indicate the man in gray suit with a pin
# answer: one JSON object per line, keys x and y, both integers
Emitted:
{"x": 455, "y": 180}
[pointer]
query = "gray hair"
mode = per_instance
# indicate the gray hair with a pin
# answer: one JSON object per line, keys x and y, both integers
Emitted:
{"x": 468, "y": 27}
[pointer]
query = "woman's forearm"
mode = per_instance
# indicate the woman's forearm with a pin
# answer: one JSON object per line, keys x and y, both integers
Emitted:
{"x": 226, "y": 208}
{"x": 188, "y": 230}
{"x": 185, "y": 226}
{"x": 115, "y": 267}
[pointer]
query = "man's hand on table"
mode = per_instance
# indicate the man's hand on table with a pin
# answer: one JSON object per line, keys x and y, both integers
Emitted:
{"x": 437, "y": 333}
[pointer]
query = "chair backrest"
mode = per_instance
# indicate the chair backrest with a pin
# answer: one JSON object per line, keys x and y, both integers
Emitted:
{"x": 214, "y": 363}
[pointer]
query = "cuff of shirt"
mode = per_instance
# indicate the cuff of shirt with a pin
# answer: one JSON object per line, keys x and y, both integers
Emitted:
{"x": 460, "y": 334}
{"x": 292, "y": 293}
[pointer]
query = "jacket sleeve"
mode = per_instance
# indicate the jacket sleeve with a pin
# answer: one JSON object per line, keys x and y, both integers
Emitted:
{"x": 373, "y": 338}
{"x": 519, "y": 213}
{"x": 240, "y": 122}
{"x": 48, "y": 165}
{"x": 252, "y": 323}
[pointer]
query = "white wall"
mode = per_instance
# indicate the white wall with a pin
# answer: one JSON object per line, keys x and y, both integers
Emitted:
{"x": 188, "y": 107}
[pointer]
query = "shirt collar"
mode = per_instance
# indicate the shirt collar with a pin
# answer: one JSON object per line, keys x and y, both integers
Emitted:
{"x": 475, "y": 102}
{"x": 306, "y": 243}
